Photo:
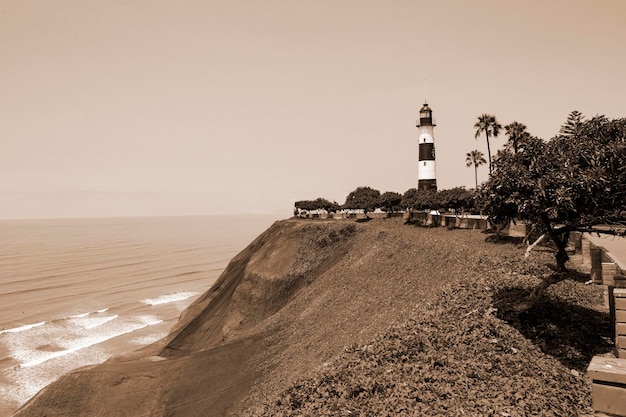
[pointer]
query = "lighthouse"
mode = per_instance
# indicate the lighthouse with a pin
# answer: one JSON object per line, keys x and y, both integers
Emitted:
{"x": 426, "y": 159}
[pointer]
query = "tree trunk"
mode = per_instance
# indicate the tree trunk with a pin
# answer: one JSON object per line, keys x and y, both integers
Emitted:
{"x": 561, "y": 271}
{"x": 476, "y": 175}
{"x": 537, "y": 293}
{"x": 488, "y": 149}
{"x": 561, "y": 255}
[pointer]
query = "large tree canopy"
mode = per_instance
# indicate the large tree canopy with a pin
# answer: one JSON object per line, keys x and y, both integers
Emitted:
{"x": 317, "y": 204}
{"x": 363, "y": 198}
{"x": 414, "y": 199}
{"x": 390, "y": 201}
{"x": 573, "y": 182}
{"x": 457, "y": 199}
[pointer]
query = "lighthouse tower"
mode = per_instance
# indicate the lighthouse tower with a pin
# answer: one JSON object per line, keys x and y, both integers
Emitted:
{"x": 426, "y": 160}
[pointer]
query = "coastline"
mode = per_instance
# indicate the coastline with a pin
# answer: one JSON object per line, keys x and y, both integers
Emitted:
{"x": 303, "y": 298}
{"x": 77, "y": 291}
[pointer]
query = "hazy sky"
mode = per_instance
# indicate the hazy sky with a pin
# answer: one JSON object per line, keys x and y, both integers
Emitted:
{"x": 195, "y": 107}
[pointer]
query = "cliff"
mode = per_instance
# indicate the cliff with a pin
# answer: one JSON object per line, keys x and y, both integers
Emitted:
{"x": 300, "y": 322}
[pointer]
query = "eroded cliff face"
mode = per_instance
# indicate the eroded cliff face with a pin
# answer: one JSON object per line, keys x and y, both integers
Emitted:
{"x": 218, "y": 350}
{"x": 258, "y": 282}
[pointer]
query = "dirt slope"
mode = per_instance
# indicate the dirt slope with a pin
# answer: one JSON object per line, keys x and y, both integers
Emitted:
{"x": 299, "y": 324}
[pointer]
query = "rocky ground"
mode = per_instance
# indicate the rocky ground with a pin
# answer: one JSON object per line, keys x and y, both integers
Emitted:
{"x": 339, "y": 318}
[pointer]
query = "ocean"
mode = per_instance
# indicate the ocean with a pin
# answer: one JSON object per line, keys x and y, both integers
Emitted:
{"x": 75, "y": 292}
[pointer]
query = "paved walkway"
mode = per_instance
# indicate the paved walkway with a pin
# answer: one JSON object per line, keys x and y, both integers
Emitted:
{"x": 614, "y": 246}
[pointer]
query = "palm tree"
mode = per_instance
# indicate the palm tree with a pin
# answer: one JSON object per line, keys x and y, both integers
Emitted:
{"x": 487, "y": 123}
{"x": 517, "y": 133}
{"x": 475, "y": 158}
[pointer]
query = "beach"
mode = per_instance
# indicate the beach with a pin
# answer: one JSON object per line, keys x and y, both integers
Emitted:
{"x": 78, "y": 291}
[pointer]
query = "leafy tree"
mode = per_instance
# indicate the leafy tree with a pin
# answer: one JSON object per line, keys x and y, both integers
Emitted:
{"x": 572, "y": 124}
{"x": 317, "y": 204}
{"x": 409, "y": 199}
{"x": 517, "y": 134}
{"x": 327, "y": 206}
{"x": 570, "y": 183}
{"x": 414, "y": 199}
{"x": 488, "y": 124}
{"x": 458, "y": 199}
{"x": 305, "y": 205}
{"x": 475, "y": 158}
{"x": 363, "y": 198}
{"x": 390, "y": 201}
{"x": 427, "y": 200}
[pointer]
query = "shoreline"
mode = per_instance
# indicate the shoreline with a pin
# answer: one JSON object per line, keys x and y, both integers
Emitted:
{"x": 301, "y": 300}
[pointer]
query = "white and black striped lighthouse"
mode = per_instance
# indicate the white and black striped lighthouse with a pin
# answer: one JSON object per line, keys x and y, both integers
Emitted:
{"x": 426, "y": 160}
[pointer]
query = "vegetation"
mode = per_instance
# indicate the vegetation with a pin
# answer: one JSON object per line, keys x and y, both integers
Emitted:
{"x": 517, "y": 134}
{"x": 456, "y": 200}
{"x": 572, "y": 124}
{"x": 421, "y": 200}
{"x": 488, "y": 124}
{"x": 576, "y": 181}
{"x": 317, "y": 204}
{"x": 475, "y": 158}
{"x": 390, "y": 201}
{"x": 363, "y": 198}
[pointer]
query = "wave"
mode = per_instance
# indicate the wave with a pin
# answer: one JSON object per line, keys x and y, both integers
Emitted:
{"x": 79, "y": 316}
{"x": 92, "y": 322}
{"x": 169, "y": 298}
{"x": 76, "y": 316}
{"x": 23, "y": 328}
{"x": 41, "y": 323}
{"x": 37, "y": 358}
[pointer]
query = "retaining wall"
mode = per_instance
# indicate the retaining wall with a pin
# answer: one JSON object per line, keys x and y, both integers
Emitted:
{"x": 608, "y": 374}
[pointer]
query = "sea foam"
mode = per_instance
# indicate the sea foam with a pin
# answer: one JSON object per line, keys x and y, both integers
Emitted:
{"x": 33, "y": 357}
{"x": 169, "y": 298}
{"x": 23, "y": 328}
{"x": 92, "y": 322}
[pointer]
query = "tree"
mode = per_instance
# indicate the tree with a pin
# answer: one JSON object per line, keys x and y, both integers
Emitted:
{"x": 317, "y": 204}
{"x": 363, "y": 198}
{"x": 458, "y": 199}
{"x": 488, "y": 124}
{"x": 570, "y": 183}
{"x": 475, "y": 158}
{"x": 423, "y": 200}
{"x": 409, "y": 198}
{"x": 390, "y": 201}
{"x": 517, "y": 133}
{"x": 427, "y": 200}
{"x": 572, "y": 124}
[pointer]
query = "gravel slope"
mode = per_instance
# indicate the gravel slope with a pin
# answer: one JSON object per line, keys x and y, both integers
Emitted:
{"x": 463, "y": 351}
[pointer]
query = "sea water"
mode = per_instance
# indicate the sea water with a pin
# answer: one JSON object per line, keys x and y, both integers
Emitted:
{"x": 76, "y": 292}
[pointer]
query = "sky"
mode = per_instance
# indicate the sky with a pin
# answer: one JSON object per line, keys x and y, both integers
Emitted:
{"x": 137, "y": 107}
